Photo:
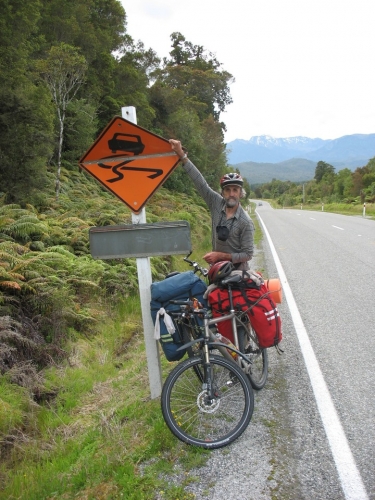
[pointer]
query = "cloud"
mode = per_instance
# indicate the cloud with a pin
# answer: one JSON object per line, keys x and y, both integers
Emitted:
{"x": 300, "y": 67}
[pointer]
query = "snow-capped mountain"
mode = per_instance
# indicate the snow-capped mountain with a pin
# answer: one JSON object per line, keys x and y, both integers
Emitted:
{"x": 350, "y": 150}
{"x": 299, "y": 143}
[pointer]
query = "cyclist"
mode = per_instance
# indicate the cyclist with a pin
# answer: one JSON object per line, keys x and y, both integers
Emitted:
{"x": 232, "y": 228}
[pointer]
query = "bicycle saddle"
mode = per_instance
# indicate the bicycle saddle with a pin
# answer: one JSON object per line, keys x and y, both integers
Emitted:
{"x": 234, "y": 278}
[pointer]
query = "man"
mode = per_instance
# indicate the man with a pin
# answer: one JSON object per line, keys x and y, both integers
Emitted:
{"x": 232, "y": 228}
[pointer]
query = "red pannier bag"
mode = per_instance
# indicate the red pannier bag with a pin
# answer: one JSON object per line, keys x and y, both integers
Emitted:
{"x": 261, "y": 310}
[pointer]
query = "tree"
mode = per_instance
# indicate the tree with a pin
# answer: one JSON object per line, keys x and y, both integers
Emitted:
{"x": 357, "y": 182}
{"x": 26, "y": 116}
{"x": 342, "y": 180}
{"x": 198, "y": 75}
{"x": 188, "y": 95}
{"x": 80, "y": 128}
{"x": 131, "y": 79}
{"x": 63, "y": 71}
{"x": 323, "y": 169}
{"x": 95, "y": 26}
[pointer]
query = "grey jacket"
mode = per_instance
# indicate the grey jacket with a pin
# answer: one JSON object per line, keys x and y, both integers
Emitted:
{"x": 240, "y": 242}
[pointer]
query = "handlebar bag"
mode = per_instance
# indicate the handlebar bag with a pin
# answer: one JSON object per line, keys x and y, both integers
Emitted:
{"x": 260, "y": 308}
{"x": 182, "y": 286}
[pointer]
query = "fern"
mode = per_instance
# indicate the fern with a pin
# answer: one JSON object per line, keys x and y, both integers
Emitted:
{"x": 5, "y": 275}
{"x": 5, "y": 237}
{"x": 61, "y": 250}
{"x": 10, "y": 285}
{"x": 82, "y": 283}
{"x": 49, "y": 283}
{"x": 11, "y": 248}
{"x": 25, "y": 228}
{"x": 75, "y": 222}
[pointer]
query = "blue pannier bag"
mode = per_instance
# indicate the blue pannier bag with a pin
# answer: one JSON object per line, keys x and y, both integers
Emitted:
{"x": 182, "y": 286}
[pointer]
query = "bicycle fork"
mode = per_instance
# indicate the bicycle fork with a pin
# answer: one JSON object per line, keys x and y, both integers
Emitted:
{"x": 208, "y": 385}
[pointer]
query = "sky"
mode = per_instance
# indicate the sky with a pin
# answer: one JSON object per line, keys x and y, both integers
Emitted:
{"x": 301, "y": 67}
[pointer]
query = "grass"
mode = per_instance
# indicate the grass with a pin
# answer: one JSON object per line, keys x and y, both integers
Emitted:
{"x": 99, "y": 436}
{"x": 14, "y": 403}
{"x": 258, "y": 234}
{"x": 339, "y": 208}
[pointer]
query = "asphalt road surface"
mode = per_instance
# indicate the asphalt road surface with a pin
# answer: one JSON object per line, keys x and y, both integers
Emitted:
{"x": 329, "y": 266}
{"x": 312, "y": 435}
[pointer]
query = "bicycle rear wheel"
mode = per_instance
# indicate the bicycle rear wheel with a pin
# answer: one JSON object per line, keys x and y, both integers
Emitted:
{"x": 249, "y": 345}
{"x": 191, "y": 331}
{"x": 195, "y": 418}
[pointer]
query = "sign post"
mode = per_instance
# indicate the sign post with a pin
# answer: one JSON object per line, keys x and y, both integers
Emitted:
{"x": 144, "y": 283}
{"x": 133, "y": 163}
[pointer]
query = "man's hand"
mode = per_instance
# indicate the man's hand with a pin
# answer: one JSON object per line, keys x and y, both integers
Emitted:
{"x": 212, "y": 257}
{"x": 176, "y": 146}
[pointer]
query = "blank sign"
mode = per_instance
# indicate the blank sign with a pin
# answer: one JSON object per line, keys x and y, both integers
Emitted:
{"x": 140, "y": 240}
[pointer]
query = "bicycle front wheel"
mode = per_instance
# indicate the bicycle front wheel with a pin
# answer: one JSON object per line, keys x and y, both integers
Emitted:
{"x": 198, "y": 418}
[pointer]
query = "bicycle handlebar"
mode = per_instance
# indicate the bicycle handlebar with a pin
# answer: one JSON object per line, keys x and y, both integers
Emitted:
{"x": 182, "y": 302}
{"x": 195, "y": 265}
{"x": 191, "y": 306}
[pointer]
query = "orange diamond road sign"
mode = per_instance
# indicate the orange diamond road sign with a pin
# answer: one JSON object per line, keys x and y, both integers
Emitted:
{"x": 130, "y": 161}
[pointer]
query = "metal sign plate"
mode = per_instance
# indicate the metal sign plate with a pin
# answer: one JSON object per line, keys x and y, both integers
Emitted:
{"x": 140, "y": 240}
{"x": 130, "y": 161}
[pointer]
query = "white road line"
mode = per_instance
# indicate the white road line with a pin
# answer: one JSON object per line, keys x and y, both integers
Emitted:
{"x": 349, "y": 475}
{"x": 337, "y": 227}
{"x": 312, "y": 218}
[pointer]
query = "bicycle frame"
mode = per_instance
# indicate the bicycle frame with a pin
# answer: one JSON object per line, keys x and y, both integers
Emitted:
{"x": 209, "y": 337}
{"x": 244, "y": 361}
{"x": 246, "y": 353}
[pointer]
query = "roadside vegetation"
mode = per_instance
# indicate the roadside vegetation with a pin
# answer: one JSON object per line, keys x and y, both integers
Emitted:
{"x": 76, "y": 419}
{"x": 75, "y": 416}
{"x": 354, "y": 209}
{"x": 343, "y": 192}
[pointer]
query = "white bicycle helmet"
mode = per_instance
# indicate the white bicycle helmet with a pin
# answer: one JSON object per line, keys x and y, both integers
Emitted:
{"x": 232, "y": 178}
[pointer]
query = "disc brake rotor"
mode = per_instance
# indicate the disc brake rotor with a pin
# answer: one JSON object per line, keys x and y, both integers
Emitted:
{"x": 207, "y": 405}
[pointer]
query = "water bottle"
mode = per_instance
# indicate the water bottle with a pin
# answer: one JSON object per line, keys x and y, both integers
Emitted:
{"x": 224, "y": 340}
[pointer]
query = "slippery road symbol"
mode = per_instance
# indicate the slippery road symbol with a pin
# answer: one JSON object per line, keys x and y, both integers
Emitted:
{"x": 121, "y": 166}
{"x": 131, "y": 144}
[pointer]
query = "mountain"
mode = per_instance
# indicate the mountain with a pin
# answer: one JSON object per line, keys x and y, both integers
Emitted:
{"x": 349, "y": 150}
{"x": 265, "y": 148}
{"x": 295, "y": 170}
{"x": 263, "y": 158}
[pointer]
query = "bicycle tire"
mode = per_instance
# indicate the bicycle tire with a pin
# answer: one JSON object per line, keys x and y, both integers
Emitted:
{"x": 195, "y": 420}
{"x": 249, "y": 345}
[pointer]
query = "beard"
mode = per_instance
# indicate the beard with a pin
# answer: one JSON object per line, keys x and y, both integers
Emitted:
{"x": 231, "y": 202}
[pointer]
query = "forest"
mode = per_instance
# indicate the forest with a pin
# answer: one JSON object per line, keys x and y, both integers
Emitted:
{"x": 67, "y": 69}
{"x": 328, "y": 186}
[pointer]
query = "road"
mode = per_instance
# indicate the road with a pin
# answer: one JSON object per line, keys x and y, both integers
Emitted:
{"x": 329, "y": 265}
{"x": 312, "y": 435}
